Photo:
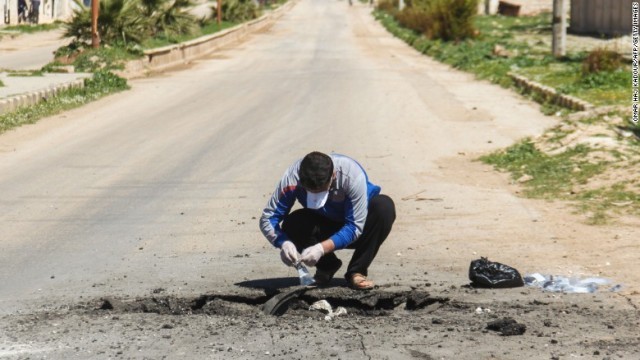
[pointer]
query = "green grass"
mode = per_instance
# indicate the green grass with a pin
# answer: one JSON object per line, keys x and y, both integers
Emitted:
{"x": 553, "y": 176}
{"x": 115, "y": 57}
{"x": 476, "y": 55}
{"x": 92, "y": 60}
{"x": 208, "y": 29}
{"x": 600, "y": 89}
{"x": 24, "y": 73}
{"x": 101, "y": 84}
{"x": 526, "y": 56}
{"x": 602, "y": 203}
{"x": 28, "y": 28}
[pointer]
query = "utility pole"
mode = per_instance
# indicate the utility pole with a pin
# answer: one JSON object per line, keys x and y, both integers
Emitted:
{"x": 95, "y": 37}
{"x": 559, "y": 25}
{"x": 219, "y": 11}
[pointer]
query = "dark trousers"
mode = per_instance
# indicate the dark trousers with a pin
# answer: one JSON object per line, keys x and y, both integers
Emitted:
{"x": 306, "y": 228}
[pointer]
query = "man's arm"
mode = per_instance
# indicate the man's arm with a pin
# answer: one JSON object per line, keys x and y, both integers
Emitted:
{"x": 355, "y": 214}
{"x": 278, "y": 207}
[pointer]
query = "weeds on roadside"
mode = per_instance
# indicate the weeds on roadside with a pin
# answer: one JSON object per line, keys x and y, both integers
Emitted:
{"x": 475, "y": 55}
{"x": 274, "y": 4}
{"x": 559, "y": 176}
{"x": 24, "y": 73}
{"x": 388, "y": 6}
{"x": 131, "y": 22}
{"x": 210, "y": 27}
{"x": 128, "y": 27}
{"x": 101, "y": 84}
{"x": 601, "y": 203}
{"x": 239, "y": 10}
{"x": 601, "y": 60}
{"x": 30, "y": 28}
{"x": 502, "y": 46}
{"x": 86, "y": 59}
{"x": 445, "y": 20}
{"x": 576, "y": 76}
{"x": 91, "y": 60}
{"x": 451, "y": 20}
{"x": 552, "y": 177}
{"x": 508, "y": 44}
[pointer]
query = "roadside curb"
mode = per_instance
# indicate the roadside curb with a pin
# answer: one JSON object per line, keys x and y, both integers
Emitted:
{"x": 180, "y": 54}
{"x": 550, "y": 94}
{"x": 16, "y": 102}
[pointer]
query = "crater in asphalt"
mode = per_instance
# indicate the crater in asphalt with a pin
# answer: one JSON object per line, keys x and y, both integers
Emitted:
{"x": 370, "y": 303}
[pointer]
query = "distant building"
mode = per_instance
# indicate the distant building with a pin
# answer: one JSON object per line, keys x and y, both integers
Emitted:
{"x": 50, "y": 10}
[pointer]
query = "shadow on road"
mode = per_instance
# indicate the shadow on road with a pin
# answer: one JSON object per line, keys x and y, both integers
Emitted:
{"x": 281, "y": 283}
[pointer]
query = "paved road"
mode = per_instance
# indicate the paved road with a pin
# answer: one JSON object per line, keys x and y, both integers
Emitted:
{"x": 30, "y": 51}
{"x": 18, "y": 85}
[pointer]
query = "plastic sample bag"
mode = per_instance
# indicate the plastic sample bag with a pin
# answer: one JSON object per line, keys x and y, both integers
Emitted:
{"x": 555, "y": 283}
{"x": 488, "y": 274}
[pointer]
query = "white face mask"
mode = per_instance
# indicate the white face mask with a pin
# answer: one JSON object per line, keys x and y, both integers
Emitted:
{"x": 317, "y": 200}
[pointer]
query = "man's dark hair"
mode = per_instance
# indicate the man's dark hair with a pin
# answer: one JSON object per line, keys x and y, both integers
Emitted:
{"x": 315, "y": 171}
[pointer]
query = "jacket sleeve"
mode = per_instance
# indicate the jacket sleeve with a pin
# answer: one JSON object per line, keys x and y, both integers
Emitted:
{"x": 355, "y": 214}
{"x": 277, "y": 208}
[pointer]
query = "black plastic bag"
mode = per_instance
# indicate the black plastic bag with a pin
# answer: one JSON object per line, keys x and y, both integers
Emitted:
{"x": 487, "y": 274}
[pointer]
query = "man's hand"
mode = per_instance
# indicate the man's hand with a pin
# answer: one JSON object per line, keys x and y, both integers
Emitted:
{"x": 312, "y": 254}
{"x": 289, "y": 254}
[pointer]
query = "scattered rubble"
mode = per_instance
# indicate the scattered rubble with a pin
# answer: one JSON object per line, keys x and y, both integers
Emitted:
{"x": 507, "y": 327}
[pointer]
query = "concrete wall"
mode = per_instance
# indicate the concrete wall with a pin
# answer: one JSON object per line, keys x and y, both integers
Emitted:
{"x": 606, "y": 17}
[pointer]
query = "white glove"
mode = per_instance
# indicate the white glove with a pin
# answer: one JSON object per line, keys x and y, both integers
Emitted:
{"x": 312, "y": 254}
{"x": 289, "y": 254}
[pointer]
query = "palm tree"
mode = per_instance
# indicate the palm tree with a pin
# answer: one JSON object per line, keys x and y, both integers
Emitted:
{"x": 132, "y": 21}
{"x": 172, "y": 18}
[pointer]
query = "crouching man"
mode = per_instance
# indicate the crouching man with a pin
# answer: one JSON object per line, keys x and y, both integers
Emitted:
{"x": 341, "y": 209}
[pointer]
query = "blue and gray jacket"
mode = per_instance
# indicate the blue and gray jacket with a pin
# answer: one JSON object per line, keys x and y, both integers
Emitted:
{"x": 348, "y": 201}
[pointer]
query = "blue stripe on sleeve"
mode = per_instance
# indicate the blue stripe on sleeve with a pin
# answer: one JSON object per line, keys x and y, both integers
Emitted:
{"x": 347, "y": 234}
{"x": 284, "y": 205}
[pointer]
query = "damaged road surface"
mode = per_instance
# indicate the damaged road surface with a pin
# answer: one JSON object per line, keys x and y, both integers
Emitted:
{"x": 369, "y": 303}
{"x": 379, "y": 324}
{"x": 279, "y": 303}
{"x": 129, "y": 227}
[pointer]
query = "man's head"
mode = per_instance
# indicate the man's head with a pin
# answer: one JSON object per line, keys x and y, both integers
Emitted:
{"x": 316, "y": 172}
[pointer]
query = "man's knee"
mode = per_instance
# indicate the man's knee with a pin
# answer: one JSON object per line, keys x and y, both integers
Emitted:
{"x": 383, "y": 209}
